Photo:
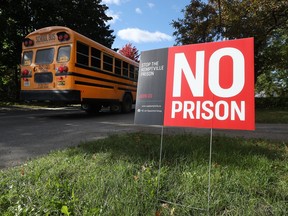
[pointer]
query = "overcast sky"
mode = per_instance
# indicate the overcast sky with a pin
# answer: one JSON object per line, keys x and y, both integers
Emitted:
{"x": 144, "y": 23}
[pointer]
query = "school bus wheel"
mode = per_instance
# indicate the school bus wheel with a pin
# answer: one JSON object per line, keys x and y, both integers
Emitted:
{"x": 91, "y": 108}
{"x": 126, "y": 105}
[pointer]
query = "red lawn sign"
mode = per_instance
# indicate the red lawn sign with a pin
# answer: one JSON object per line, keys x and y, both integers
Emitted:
{"x": 208, "y": 85}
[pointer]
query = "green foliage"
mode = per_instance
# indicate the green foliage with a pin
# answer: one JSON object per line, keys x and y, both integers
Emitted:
{"x": 65, "y": 211}
{"x": 274, "y": 80}
{"x": 272, "y": 110}
{"x": 265, "y": 20}
{"x": 119, "y": 176}
{"x": 18, "y": 18}
{"x": 273, "y": 84}
{"x": 197, "y": 24}
{"x": 271, "y": 103}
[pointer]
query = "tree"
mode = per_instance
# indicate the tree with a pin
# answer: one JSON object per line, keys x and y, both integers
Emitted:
{"x": 212, "y": 20}
{"x": 198, "y": 24}
{"x": 274, "y": 81}
{"x": 18, "y": 18}
{"x": 130, "y": 51}
{"x": 273, "y": 84}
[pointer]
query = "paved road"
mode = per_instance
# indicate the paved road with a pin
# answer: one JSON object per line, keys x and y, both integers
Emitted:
{"x": 28, "y": 133}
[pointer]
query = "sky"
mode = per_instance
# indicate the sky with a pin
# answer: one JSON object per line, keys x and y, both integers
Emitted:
{"x": 144, "y": 23}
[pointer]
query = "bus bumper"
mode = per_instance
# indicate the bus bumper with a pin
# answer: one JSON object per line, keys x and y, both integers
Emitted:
{"x": 63, "y": 96}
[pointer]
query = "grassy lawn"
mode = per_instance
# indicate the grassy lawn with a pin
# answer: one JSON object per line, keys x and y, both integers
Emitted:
{"x": 119, "y": 176}
{"x": 272, "y": 116}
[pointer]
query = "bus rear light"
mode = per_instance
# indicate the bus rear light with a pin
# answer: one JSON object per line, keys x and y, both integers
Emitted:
{"x": 62, "y": 69}
{"x": 60, "y": 37}
{"x": 66, "y": 36}
{"x": 28, "y": 42}
{"x": 25, "y": 72}
{"x": 63, "y": 36}
{"x": 65, "y": 69}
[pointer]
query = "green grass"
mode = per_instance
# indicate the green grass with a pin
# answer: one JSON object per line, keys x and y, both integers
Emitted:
{"x": 119, "y": 176}
{"x": 272, "y": 116}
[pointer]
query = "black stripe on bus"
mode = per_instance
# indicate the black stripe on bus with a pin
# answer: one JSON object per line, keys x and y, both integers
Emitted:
{"x": 103, "y": 72}
{"x": 99, "y": 79}
{"x": 93, "y": 84}
{"x": 102, "y": 86}
{"x": 126, "y": 89}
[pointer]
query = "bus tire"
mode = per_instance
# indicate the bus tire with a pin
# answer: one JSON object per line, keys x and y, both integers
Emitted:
{"x": 126, "y": 105}
{"x": 91, "y": 108}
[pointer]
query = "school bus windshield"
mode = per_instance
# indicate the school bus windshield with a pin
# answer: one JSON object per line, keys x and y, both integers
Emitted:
{"x": 27, "y": 58}
{"x": 63, "y": 54}
{"x": 44, "y": 56}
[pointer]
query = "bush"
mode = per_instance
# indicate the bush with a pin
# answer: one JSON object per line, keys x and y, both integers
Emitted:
{"x": 271, "y": 102}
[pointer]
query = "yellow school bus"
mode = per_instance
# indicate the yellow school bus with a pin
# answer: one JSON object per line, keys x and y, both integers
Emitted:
{"x": 61, "y": 65}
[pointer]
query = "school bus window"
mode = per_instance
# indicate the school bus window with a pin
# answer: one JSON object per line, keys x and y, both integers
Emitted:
{"x": 136, "y": 73}
{"x": 107, "y": 63}
{"x": 95, "y": 58}
{"x": 27, "y": 58}
{"x": 118, "y": 66}
{"x": 63, "y": 54}
{"x": 125, "y": 69}
{"x": 82, "y": 54}
{"x": 44, "y": 56}
{"x": 132, "y": 68}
